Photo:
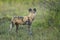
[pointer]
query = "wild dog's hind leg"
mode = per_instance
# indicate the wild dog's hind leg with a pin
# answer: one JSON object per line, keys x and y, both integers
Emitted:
{"x": 17, "y": 27}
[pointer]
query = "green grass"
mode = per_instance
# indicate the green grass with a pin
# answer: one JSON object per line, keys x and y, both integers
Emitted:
{"x": 40, "y": 28}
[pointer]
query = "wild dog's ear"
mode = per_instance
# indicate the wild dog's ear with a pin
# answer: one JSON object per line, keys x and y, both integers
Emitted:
{"x": 30, "y": 9}
{"x": 34, "y": 9}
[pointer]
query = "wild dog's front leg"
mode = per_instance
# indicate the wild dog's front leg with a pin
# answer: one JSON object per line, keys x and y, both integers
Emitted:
{"x": 29, "y": 22}
{"x": 29, "y": 29}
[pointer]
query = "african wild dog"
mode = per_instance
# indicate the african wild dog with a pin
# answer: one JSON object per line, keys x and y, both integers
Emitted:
{"x": 24, "y": 20}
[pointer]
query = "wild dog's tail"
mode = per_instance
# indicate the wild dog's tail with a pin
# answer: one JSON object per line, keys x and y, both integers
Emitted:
{"x": 11, "y": 26}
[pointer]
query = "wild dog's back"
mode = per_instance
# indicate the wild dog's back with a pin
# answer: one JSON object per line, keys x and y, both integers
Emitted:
{"x": 17, "y": 19}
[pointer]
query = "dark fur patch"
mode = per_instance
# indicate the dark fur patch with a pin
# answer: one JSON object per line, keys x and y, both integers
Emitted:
{"x": 27, "y": 22}
{"x": 20, "y": 17}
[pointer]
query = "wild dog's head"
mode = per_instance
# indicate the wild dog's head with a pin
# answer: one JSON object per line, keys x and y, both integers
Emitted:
{"x": 32, "y": 10}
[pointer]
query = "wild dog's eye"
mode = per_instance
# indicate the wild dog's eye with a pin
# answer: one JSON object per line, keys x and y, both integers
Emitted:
{"x": 34, "y": 9}
{"x": 30, "y": 10}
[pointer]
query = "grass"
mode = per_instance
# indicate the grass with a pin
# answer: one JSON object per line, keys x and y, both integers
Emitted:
{"x": 40, "y": 28}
